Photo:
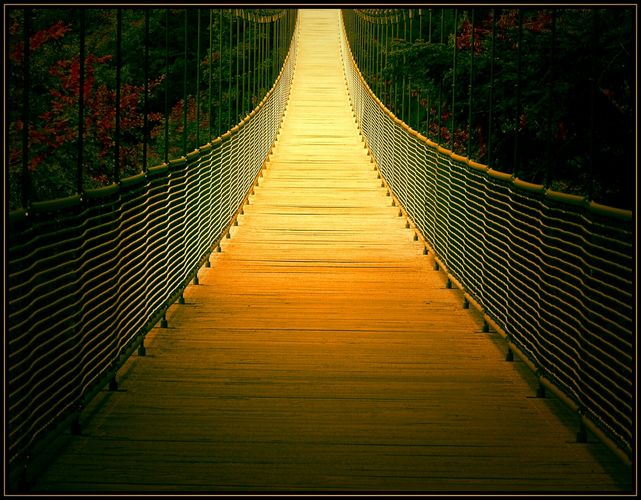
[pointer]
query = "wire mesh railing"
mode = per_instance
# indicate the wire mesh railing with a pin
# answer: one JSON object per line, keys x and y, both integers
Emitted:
{"x": 89, "y": 275}
{"x": 551, "y": 272}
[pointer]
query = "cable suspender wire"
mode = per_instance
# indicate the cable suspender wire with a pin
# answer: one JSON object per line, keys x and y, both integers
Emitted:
{"x": 145, "y": 126}
{"x": 198, "y": 78}
{"x": 231, "y": 21}
{"x": 549, "y": 98}
{"x": 210, "y": 109}
{"x": 453, "y": 112}
{"x": 517, "y": 117}
{"x": 490, "y": 128}
{"x": 116, "y": 174}
{"x": 220, "y": 72}
{"x": 167, "y": 86}
{"x": 592, "y": 89}
{"x": 237, "y": 77}
{"x": 244, "y": 105}
{"x": 185, "y": 102}
{"x": 81, "y": 107}
{"x": 470, "y": 131}
{"x": 25, "y": 177}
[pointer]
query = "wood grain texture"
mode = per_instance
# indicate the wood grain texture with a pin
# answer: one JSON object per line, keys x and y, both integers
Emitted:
{"x": 322, "y": 352}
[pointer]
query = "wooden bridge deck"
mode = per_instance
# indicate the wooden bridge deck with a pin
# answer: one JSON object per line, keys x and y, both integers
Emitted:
{"x": 321, "y": 351}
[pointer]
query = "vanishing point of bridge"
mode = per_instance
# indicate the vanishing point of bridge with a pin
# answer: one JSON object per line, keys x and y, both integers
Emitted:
{"x": 323, "y": 348}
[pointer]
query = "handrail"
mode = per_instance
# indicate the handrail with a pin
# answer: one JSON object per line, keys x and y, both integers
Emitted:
{"x": 90, "y": 276}
{"x": 552, "y": 273}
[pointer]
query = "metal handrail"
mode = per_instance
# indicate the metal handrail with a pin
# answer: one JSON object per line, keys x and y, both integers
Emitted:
{"x": 551, "y": 272}
{"x": 89, "y": 276}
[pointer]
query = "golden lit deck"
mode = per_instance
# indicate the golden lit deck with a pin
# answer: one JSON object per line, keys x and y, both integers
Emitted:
{"x": 322, "y": 351}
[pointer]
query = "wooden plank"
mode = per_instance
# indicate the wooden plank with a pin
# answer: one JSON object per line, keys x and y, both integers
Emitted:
{"x": 321, "y": 351}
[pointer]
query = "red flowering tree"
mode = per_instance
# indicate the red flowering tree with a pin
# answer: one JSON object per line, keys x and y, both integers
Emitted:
{"x": 54, "y": 92}
{"x": 561, "y": 102}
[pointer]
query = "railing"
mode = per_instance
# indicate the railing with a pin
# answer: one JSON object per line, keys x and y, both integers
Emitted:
{"x": 90, "y": 275}
{"x": 551, "y": 272}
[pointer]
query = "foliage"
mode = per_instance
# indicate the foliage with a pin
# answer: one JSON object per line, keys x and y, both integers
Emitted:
{"x": 570, "y": 122}
{"x": 194, "y": 88}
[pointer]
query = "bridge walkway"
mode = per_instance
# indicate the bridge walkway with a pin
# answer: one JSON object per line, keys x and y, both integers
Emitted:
{"x": 322, "y": 351}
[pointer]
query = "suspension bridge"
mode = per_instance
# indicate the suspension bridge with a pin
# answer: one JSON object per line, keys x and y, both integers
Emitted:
{"x": 322, "y": 343}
